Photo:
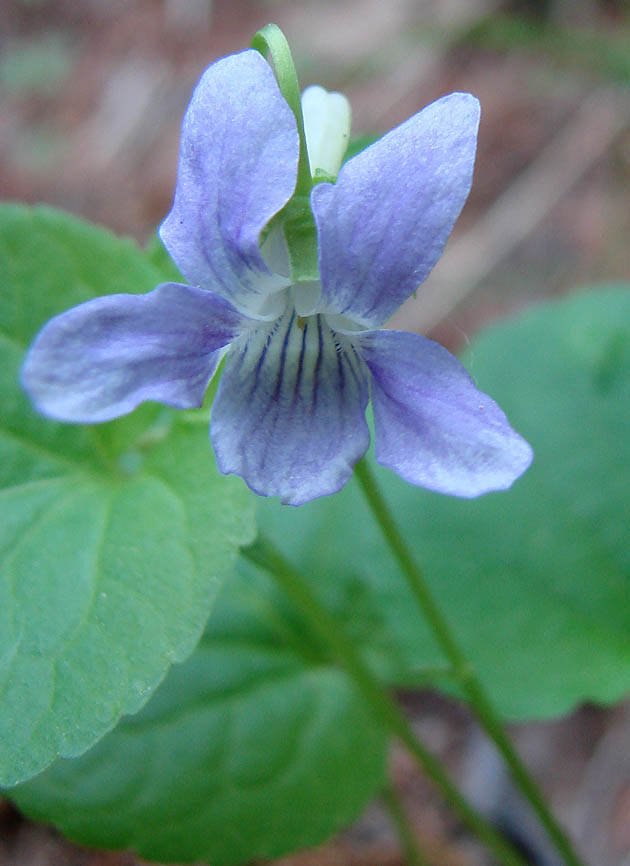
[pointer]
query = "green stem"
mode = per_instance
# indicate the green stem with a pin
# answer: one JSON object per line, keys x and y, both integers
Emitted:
{"x": 396, "y": 809}
{"x": 464, "y": 672}
{"x": 270, "y": 40}
{"x": 263, "y": 554}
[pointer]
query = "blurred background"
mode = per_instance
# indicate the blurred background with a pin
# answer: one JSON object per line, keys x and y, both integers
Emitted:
{"x": 92, "y": 94}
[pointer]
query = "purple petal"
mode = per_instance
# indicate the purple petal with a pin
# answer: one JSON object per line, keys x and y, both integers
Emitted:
{"x": 101, "y": 359}
{"x": 237, "y": 169}
{"x": 289, "y": 416}
{"x": 432, "y": 426}
{"x": 384, "y": 224}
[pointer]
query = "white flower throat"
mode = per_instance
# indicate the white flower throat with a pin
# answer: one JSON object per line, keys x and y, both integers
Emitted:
{"x": 327, "y": 120}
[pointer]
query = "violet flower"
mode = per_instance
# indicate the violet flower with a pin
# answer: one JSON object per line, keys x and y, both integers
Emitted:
{"x": 301, "y": 358}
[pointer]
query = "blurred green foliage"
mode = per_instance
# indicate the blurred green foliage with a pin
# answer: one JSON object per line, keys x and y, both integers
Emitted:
{"x": 598, "y": 52}
{"x": 37, "y": 66}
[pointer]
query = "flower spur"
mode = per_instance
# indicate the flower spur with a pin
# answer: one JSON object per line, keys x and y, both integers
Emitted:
{"x": 302, "y": 357}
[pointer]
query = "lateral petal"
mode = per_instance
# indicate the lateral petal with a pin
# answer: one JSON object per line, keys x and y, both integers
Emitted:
{"x": 432, "y": 425}
{"x": 384, "y": 224}
{"x": 289, "y": 415}
{"x": 101, "y": 359}
{"x": 237, "y": 168}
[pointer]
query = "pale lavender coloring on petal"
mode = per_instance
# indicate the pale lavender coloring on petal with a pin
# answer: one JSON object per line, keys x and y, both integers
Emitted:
{"x": 101, "y": 359}
{"x": 432, "y": 425}
{"x": 384, "y": 224}
{"x": 289, "y": 416}
{"x": 237, "y": 169}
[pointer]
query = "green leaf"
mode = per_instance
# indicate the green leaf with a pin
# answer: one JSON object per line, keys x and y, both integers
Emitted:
{"x": 253, "y": 747}
{"x": 356, "y": 145}
{"x": 114, "y": 538}
{"x": 535, "y": 580}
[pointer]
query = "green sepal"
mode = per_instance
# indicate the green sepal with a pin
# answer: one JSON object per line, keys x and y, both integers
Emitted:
{"x": 322, "y": 176}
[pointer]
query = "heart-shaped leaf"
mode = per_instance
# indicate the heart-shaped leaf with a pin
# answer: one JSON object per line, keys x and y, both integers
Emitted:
{"x": 113, "y": 539}
{"x": 535, "y": 581}
{"x": 255, "y": 746}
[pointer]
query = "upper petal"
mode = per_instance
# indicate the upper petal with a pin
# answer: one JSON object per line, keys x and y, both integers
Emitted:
{"x": 384, "y": 224}
{"x": 289, "y": 415}
{"x": 432, "y": 425}
{"x": 237, "y": 168}
{"x": 101, "y": 359}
